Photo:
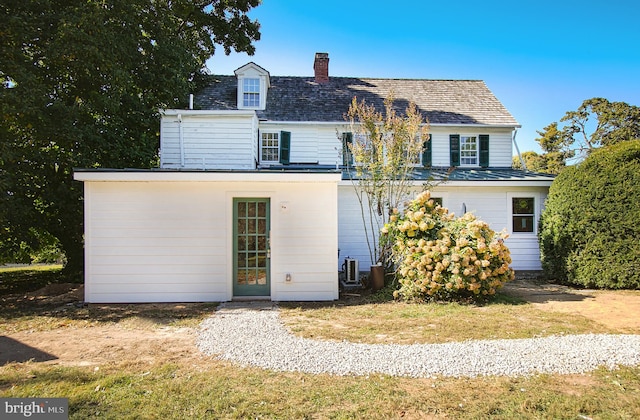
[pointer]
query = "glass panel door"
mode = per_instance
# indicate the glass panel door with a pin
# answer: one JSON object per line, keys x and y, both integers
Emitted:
{"x": 251, "y": 247}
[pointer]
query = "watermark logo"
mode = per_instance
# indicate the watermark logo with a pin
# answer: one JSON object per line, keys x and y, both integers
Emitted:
{"x": 34, "y": 408}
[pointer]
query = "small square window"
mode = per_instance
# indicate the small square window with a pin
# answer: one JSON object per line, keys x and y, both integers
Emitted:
{"x": 523, "y": 213}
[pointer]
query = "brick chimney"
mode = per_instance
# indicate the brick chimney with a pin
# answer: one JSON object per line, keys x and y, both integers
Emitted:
{"x": 321, "y": 67}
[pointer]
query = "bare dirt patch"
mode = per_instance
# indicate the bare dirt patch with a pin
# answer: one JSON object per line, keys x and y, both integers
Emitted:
{"x": 59, "y": 329}
{"x": 100, "y": 344}
{"x": 619, "y": 310}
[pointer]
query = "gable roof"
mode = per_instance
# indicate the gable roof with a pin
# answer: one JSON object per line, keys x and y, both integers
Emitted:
{"x": 290, "y": 98}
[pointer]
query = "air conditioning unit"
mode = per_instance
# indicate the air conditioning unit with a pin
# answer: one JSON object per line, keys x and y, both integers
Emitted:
{"x": 352, "y": 271}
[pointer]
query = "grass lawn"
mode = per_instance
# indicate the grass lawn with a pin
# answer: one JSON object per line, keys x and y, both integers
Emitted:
{"x": 164, "y": 382}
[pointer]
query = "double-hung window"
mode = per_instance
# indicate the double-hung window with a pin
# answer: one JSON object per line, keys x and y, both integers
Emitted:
{"x": 275, "y": 147}
{"x": 469, "y": 150}
{"x": 523, "y": 214}
{"x": 270, "y": 147}
{"x": 251, "y": 92}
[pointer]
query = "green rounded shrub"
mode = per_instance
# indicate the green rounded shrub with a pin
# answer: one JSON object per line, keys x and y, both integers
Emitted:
{"x": 439, "y": 257}
{"x": 590, "y": 229}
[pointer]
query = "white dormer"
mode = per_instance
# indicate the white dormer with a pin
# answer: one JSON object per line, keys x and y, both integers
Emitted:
{"x": 253, "y": 83}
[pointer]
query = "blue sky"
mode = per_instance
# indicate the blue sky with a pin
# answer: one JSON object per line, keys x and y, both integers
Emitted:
{"x": 540, "y": 58}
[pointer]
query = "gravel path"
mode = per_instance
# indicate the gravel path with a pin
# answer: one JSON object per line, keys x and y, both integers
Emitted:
{"x": 252, "y": 334}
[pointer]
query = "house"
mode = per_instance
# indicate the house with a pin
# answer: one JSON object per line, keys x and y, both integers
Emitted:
{"x": 253, "y": 197}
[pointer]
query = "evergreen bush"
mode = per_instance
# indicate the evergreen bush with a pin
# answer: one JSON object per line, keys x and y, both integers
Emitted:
{"x": 440, "y": 257}
{"x": 590, "y": 229}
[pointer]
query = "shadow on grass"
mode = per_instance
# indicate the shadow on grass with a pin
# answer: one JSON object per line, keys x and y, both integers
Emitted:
{"x": 14, "y": 351}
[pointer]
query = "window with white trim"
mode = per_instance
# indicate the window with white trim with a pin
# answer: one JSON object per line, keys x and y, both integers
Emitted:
{"x": 251, "y": 92}
{"x": 468, "y": 150}
{"x": 270, "y": 147}
{"x": 523, "y": 214}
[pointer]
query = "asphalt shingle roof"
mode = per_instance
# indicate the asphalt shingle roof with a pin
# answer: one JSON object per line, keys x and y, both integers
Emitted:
{"x": 293, "y": 98}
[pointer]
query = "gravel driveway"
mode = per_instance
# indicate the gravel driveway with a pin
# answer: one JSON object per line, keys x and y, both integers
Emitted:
{"x": 252, "y": 334}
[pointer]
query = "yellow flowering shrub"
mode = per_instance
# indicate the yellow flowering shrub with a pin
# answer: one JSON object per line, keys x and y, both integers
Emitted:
{"x": 440, "y": 257}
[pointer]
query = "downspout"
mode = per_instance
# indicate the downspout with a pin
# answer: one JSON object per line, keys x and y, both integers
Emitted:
{"x": 181, "y": 140}
{"x": 513, "y": 138}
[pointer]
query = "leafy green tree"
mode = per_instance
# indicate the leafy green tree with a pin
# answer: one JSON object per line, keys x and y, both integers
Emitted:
{"x": 532, "y": 161}
{"x": 596, "y": 123}
{"x": 556, "y": 148}
{"x": 555, "y": 155}
{"x": 81, "y": 85}
{"x": 614, "y": 122}
{"x": 556, "y": 152}
{"x": 589, "y": 229}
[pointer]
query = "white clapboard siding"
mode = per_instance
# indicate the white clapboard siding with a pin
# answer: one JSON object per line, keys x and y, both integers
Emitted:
{"x": 490, "y": 204}
{"x": 352, "y": 240}
{"x": 306, "y": 244}
{"x": 171, "y": 241}
{"x": 304, "y": 140}
{"x": 330, "y": 144}
{"x": 440, "y": 149}
{"x": 215, "y": 141}
{"x": 229, "y": 141}
{"x": 500, "y": 149}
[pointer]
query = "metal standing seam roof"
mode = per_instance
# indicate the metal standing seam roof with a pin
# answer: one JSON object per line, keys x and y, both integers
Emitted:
{"x": 465, "y": 174}
{"x": 433, "y": 174}
{"x": 291, "y": 98}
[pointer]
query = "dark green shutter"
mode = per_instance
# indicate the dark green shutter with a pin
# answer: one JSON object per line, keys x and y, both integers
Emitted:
{"x": 454, "y": 149}
{"x": 285, "y": 147}
{"x": 347, "y": 156}
{"x": 426, "y": 152}
{"x": 484, "y": 150}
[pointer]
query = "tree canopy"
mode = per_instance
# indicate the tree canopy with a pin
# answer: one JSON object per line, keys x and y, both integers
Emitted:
{"x": 81, "y": 85}
{"x": 596, "y": 123}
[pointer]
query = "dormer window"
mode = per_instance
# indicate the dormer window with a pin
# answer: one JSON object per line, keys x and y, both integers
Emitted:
{"x": 251, "y": 93}
{"x": 253, "y": 83}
